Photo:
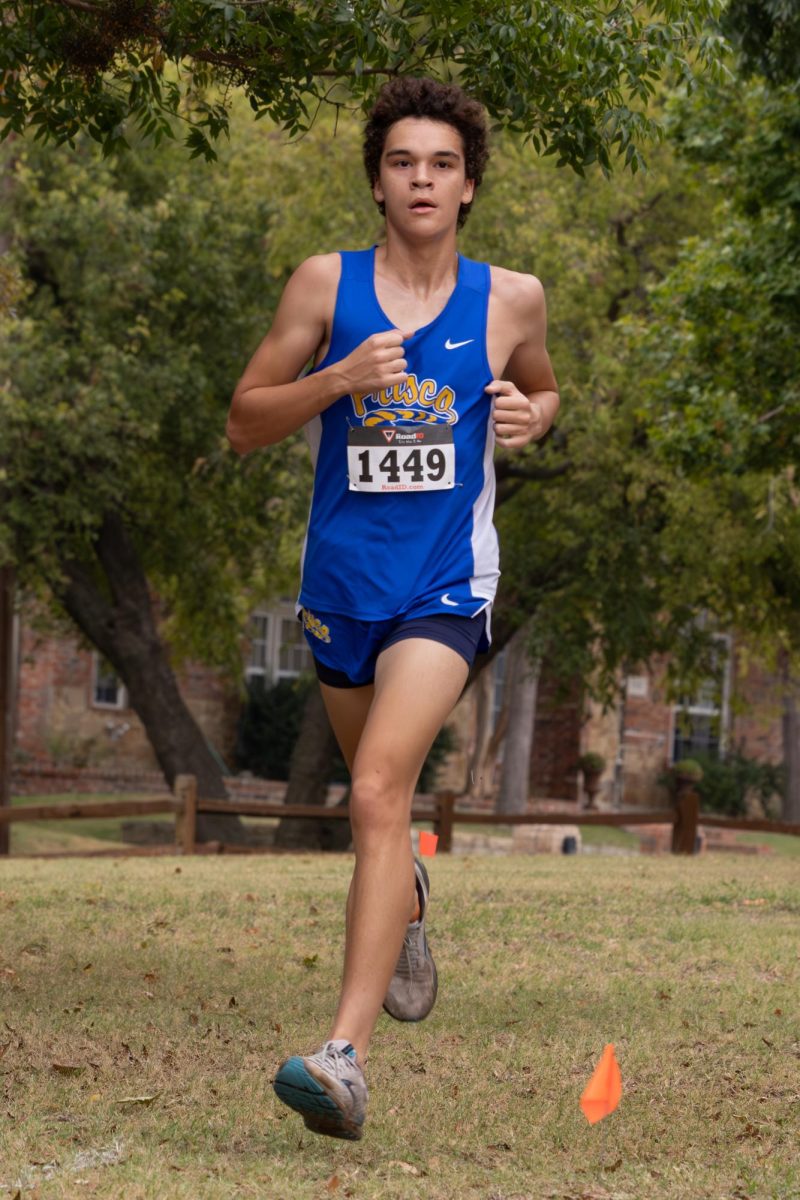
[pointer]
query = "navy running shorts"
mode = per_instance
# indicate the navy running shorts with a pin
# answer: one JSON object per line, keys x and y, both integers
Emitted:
{"x": 345, "y": 649}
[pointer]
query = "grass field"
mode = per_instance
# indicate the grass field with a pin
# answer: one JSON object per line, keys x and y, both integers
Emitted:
{"x": 144, "y": 1005}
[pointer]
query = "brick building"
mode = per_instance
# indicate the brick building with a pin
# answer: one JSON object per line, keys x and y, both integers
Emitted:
{"x": 72, "y": 710}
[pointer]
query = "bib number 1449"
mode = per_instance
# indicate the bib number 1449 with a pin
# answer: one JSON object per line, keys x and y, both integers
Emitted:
{"x": 401, "y": 459}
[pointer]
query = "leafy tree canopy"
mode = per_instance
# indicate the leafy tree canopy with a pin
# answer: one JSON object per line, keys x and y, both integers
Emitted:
{"x": 574, "y": 76}
{"x": 144, "y": 292}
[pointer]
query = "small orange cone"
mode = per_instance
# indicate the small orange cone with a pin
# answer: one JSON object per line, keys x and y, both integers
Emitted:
{"x": 427, "y": 843}
{"x": 603, "y": 1092}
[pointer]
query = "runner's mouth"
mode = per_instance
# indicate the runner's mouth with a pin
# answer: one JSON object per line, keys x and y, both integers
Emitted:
{"x": 422, "y": 206}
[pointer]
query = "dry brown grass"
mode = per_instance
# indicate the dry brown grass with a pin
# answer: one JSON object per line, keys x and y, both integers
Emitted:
{"x": 144, "y": 1005}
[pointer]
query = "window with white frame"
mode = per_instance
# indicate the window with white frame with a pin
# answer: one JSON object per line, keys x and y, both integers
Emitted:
{"x": 294, "y": 656}
{"x": 700, "y": 721}
{"x": 258, "y": 659}
{"x": 277, "y": 647}
{"x": 108, "y": 690}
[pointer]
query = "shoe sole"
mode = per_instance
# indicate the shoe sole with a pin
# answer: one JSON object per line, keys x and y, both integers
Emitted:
{"x": 300, "y": 1091}
{"x": 414, "y": 1020}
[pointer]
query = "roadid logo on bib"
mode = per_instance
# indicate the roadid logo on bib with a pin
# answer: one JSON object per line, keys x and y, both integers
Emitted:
{"x": 413, "y": 400}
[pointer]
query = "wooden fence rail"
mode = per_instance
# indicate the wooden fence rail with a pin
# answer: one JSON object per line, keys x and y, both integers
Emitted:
{"x": 684, "y": 817}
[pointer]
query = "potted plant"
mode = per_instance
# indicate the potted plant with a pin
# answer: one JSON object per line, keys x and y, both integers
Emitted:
{"x": 591, "y": 766}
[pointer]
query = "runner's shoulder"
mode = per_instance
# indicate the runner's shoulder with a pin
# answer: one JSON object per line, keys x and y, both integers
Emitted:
{"x": 314, "y": 283}
{"x": 519, "y": 293}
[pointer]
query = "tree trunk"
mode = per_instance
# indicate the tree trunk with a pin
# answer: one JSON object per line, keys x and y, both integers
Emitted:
{"x": 791, "y": 742}
{"x": 120, "y": 622}
{"x": 475, "y": 785}
{"x": 522, "y": 684}
{"x": 309, "y": 776}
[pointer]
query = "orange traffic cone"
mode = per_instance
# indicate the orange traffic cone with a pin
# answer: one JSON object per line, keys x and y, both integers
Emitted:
{"x": 427, "y": 843}
{"x": 603, "y": 1092}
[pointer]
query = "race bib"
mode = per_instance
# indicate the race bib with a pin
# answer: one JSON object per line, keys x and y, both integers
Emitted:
{"x": 401, "y": 458}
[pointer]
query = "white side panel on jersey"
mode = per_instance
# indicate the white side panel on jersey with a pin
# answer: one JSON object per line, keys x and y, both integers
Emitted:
{"x": 313, "y": 433}
{"x": 485, "y": 552}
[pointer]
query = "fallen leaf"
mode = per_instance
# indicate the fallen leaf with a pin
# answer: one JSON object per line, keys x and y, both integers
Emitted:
{"x": 95, "y": 1097}
{"x": 615, "y": 1166}
{"x": 177, "y": 870}
{"x": 778, "y": 1012}
{"x": 232, "y": 1002}
{"x": 68, "y": 1068}
{"x": 143, "y": 1101}
{"x": 310, "y": 960}
{"x": 88, "y": 967}
{"x": 150, "y": 975}
{"x": 409, "y": 1168}
{"x": 332, "y": 1184}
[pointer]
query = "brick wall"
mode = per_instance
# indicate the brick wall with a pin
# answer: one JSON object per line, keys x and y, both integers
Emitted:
{"x": 556, "y": 738}
{"x": 57, "y": 720}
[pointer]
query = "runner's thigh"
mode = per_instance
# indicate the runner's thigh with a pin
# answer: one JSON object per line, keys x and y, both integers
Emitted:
{"x": 417, "y": 683}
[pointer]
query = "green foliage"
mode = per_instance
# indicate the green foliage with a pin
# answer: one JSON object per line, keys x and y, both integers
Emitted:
{"x": 686, "y": 768}
{"x": 268, "y": 727}
{"x": 716, "y": 366}
{"x": 269, "y": 724}
{"x": 591, "y": 763}
{"x": 724, "y": 785}
{"x": 575, "y": 77}
{"x": 145, "y": 293}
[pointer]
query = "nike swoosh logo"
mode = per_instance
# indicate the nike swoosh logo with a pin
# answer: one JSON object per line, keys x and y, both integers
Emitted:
{"x": 446, "y": 600}
{"x": 456, "y": 345}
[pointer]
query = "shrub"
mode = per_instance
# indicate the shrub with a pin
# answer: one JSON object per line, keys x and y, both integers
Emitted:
{"x": 270, "y": 722}
{"x": 591, "y": 763}
{"x": 726, "y": 783}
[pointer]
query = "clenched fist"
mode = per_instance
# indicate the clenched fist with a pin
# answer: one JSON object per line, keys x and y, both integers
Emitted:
{"x": 377, "y": 363}
{"x": 517, "y": 418}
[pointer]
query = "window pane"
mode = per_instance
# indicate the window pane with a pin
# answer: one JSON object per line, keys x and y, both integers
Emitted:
{"x": 107, "y": 684}
{"x": 294, "y": 656}
{"x": 259, "y": 643}
{"x": 695, "y": 733}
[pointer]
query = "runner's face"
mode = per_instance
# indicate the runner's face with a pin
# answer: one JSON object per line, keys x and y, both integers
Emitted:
{"x": 422, "y": 179}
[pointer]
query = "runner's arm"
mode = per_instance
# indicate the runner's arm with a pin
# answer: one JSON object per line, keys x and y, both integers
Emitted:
{"x": 527, "y": 400}
{"x": 270, "y": 402}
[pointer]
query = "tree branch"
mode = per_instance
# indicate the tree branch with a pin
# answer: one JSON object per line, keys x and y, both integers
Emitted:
{"x": 506, "y": 468}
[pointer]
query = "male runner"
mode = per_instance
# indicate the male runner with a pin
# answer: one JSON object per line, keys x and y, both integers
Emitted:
{"x": 422, "y": 359}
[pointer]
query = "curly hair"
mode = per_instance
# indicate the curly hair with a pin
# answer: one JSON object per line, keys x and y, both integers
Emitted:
{"x": 447, "y": 102}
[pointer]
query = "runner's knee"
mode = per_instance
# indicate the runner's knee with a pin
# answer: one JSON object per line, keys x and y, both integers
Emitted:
{"x": 377, "y": 808}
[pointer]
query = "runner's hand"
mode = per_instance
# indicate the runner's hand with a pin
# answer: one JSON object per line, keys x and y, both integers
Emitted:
{"x": 377, "y": 363}
{"x": 517, "y": 418}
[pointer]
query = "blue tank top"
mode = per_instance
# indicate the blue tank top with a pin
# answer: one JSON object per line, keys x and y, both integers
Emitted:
{"x": 377, "y": 555}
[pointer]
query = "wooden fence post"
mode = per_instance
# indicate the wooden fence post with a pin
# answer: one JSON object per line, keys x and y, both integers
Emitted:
{"x": 687, "y": 811}
{"x": 443, "y": 823}
{"x": 186, "y": 818}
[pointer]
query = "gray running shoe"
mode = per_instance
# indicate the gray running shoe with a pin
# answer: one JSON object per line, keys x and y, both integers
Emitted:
{"x": 328, "y": 1089}
{"x": 412, "y": 991}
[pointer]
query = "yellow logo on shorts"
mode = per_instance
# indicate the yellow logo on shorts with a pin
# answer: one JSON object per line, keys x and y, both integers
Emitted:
{"x": 315, "y": 626}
